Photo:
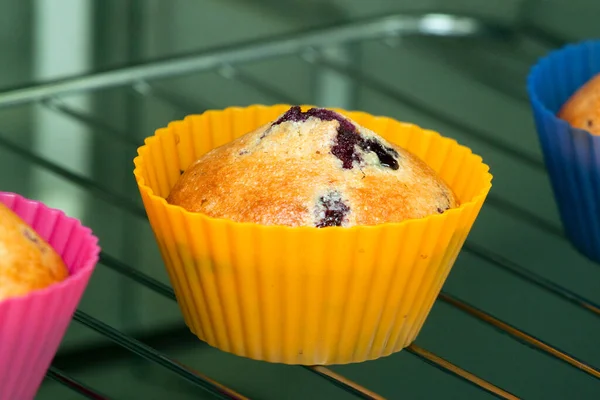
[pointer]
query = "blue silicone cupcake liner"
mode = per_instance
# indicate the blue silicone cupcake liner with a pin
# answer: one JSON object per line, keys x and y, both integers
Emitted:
{"x": 572, "y": 155}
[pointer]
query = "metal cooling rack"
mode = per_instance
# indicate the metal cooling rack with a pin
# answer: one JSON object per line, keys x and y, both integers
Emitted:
{"x": 306, "y": 45}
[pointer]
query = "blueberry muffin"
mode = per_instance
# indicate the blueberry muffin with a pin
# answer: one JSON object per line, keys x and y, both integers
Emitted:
{"x": 314, "y": 168}
{"x": 27, "y": 262}
{"x": 345, "y": 284}
{"x": 582, "y": 110}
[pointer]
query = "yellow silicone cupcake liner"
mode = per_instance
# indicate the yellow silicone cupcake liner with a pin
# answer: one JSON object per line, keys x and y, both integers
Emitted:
{"x": 305, "y": 295}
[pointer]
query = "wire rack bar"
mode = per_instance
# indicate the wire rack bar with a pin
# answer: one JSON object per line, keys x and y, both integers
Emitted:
{"x": 145, "y": 89}
{"x": 88, "y": 184}
{"x": 376, "y": 28}
{"x": 58, "y": 105}
{"x": 519, "y": 335}
{"x": 525, "y": 215}
{"x": 223, "y": 388}
{"x": 507, "y": 265}
{"x": 209, "y": 385}
{"x": 345, "y": 383}
{"x": 232, "y": 73}
{"x": 458, "y": 372}
{"x": 64, "y": 379}
{"x": 139, "y": 277}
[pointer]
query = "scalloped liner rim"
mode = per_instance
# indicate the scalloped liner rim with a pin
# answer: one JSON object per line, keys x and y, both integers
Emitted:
{"x": 543, "y": 62}
{"x": 89, "y": 263}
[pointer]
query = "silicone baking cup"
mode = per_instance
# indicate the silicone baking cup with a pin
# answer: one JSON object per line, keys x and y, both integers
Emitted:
{"x": 572, "y": 156}
{"x": 32, "y": 326}
{"x": 304, "y": 295}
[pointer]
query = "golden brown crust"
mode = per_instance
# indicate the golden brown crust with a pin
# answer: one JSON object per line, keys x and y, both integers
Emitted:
{"x": 282, "y": 174}
{"x": 582, "y": 110}
{"x": 27, "y": 262}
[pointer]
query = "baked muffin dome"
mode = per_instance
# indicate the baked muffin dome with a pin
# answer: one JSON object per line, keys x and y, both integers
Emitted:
{"x": 582, "y": 110}
{"x": 27, "y": 262}
{"x": 314, "y": 168}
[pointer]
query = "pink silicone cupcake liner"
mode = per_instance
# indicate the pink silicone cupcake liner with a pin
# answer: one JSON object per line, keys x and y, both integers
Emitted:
{"x": 32, "y": 326}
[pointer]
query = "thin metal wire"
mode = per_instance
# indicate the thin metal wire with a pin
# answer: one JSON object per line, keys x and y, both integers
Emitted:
{"x": 136, "y": 275}
{"x": 145, "y": 89}
{"x": 452, "y": 369}
{"x": 233, "y": 73}
{"x": 224, "y": 388}
{"x": 77, "y": 179}
{"x": 543, "y": 36}
{"x": 147, "y": 352}
{"x": 447, "y": 25}
{"x": 64, "y": 379}
{"x": 56, "y": 104}
{"x": 519, "y": 335}
{"x": 509, "y": 266}
{"x": 345, "y": 383}
{"x": 522, "y": 214}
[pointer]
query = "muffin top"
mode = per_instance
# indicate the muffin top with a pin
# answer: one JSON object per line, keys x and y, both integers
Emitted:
{"x": 314, "y": 168}
{"x": 582, "y": 110}
{"x": 27, "y": 262}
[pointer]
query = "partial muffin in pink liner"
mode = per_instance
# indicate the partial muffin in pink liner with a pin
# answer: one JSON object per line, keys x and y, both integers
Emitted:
{"x": 33, "y": 325}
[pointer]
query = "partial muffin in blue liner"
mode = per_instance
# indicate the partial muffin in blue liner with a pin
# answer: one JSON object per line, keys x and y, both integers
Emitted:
{"x": 572, "y": 155}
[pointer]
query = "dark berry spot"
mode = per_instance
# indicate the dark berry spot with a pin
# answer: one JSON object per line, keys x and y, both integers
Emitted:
{"x": 590, "y": 123}
{"x": 385, "y": 154}
{"x": 203, "y": 201}
{"x": 344, "y": 148}
{"x": 293, "y": 114}
{"x": 181, "y": 172}
{"x": 346, "y": 139}
{"x": 244, "y": 151}
{"x": 442, "y": 210}
{"x": 347, "y": 136}
{"x": 331, "y": 210}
